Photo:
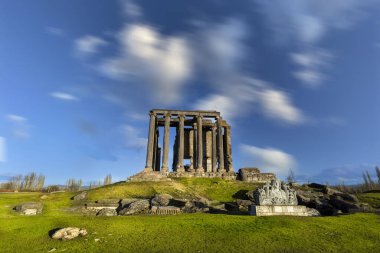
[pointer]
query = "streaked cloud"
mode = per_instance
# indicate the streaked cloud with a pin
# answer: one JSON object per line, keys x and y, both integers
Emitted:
{"x": 3, "y": 157}
{"x": 310, "y": 66}
{"x": 131, "y": 9}
{"x": 19, "y": 126}
{"x": 268, "y": 159}
{"x": 63, "y": 96}
{"x": 131, "y": 137}
{"x": 221, "y": 55}
{"x": 163, "y": 62}
{"x": 89, "y": 44}
{"x": 54, "y": 31}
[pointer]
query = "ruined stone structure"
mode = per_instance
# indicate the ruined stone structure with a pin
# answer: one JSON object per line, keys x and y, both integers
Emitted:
{"x": 254, "y": 175}
{"x": 202, "y": 137}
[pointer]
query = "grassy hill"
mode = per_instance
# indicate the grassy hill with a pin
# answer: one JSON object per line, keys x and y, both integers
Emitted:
{"x": 185, "y": 232}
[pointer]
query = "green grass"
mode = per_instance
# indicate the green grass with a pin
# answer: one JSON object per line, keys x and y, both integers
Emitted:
{"x": 371, "y": 198}
{"x": 185, "y": 232}
{"x": 213, "y": 189}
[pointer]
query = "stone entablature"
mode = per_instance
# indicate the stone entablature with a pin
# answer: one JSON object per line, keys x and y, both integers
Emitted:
{"x": 254, "y": 175}
{"x": 203, "y": 137}
{"x": 277, "y": 198}
{"x": 275, "y": 193}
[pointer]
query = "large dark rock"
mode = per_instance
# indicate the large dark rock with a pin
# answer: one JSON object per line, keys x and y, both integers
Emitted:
{"x": 161, "y": 200}
{"x": 29, "y": 208}
{"x": 344, "y": 205}
{"x": 137, "y": 207}
{"x": 195, "y": 207}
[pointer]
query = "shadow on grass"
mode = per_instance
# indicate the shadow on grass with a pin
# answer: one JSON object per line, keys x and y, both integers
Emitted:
{"x": 51, "y": 232}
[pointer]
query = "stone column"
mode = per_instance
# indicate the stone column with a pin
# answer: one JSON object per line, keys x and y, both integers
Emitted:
{"x": 220, "y": 145}
{"x": 165, "y": 155}
{"x": 214, "y": 149}
{"x": 180, "y": 167}
{"x": 200, "y": 145}
{"x": 149, "y": 150}
{"x": 227, "y": 134}
{"x": 191, "y": 150}
{"x": 155, "y": 150}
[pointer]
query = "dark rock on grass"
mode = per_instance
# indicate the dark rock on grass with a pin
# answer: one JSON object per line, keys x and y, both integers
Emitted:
{"x": 161, "y": 200}
{"x": 137, "y": 207}
{"x": 125, "y": 202}
{"x": 195, "y": 207}
{"x": 313, "y": 212}
{"x": 344, "y": 205}
{"x": 80, "y": 196}
{"x": 29, "y": 208}
{"x": 218, "y": 209}
{"x": 250, "y": 195}
{"x": 107, "y": 212}
{"x": 243, "y": 205}
{"x": 67, "y": 233}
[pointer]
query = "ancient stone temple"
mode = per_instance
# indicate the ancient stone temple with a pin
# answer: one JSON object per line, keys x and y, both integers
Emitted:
{"x": 202, "y": 138}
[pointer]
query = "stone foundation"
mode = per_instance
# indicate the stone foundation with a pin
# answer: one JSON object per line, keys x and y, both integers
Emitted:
{"x": 165, "y": 176}
{"x": 254, "y": 175}
{"x": 275, "y": 210}
{"x": 225, "y": 175}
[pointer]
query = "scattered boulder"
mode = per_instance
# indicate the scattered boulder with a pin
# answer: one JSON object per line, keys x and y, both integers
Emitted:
{"x": 243, "y": 205}
{"x": 218, "y": 209}
{"x": 68, "y": 233}
{"x": 327, "y": 200}
{"x": 137, "y": 207}
{"x": 107, "y": 212}
{"x": 126, "y": 202}
{"x": 29, "y": 208}
{"x": 80, "y": 196}
{"x": 312, "y": 212}
{"x": 161, "y": 200}
{"x": 195, "y": 207}
{"x": 44, "y": 197}
{"x": 250, "y": 195}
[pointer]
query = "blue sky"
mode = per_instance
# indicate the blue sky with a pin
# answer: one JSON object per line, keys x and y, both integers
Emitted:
{"x": 297, "y": 80}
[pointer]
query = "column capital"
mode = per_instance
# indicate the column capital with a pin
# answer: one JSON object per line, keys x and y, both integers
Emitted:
{"x": 168, "y": 114}
{"x": 151, "y": 113}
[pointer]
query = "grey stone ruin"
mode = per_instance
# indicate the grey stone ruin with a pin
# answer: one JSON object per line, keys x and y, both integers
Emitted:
{"x": 277, "y": 198}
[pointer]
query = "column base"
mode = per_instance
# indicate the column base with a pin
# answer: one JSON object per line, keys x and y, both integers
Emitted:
{"x": 181, "y": 169}
{"x": 147, "y": 169}
{"x": 222, "y": 171}
{"x": 164, "y": 169}
{"x": 200, "y": 169}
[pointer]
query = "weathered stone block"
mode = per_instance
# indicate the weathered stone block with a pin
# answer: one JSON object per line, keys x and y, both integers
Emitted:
{"x": 270, "y": 210}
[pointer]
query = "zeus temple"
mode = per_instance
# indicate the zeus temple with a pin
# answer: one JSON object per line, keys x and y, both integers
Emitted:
{"x": 203, "y": 138}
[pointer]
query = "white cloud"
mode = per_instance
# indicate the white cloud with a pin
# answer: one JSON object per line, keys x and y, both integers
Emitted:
{"x": 54, "y": 31}
{"x": 2, "y": 150}
{"x": 163, "y": 62}
{"x": 16, "y": 118}
{"x": 20, "y": 126}
{"x": 131, "y": 9}
{"x": 89, "y": 44}
{"x": 310, "y": 65}
{"x": 63, "y": 96}
{"x": 309, "y": 21}
{"x": 277, "y": 105}
{"x": 269, "y": 159}
{"x": 132, "y": 139}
